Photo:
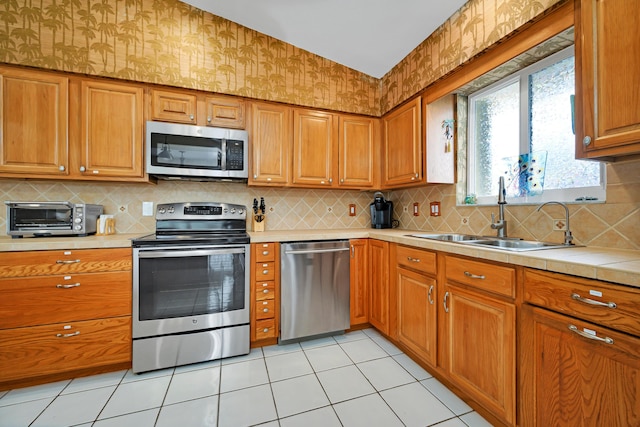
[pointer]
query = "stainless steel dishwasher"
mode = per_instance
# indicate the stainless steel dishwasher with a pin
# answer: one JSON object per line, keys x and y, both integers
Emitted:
{"x": 314, "y": 289}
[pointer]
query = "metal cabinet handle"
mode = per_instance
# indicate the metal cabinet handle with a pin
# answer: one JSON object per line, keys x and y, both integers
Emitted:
{"x": 69, "y": 286}
{"x": 341, "y": 180}
{"x": 265, "y": 310}
{"x": 429, "y": 295}
{"x": 265, "y": 330}
{"x": 266, "y": 291}
{"x": 67, "y": 261}
{"x": 191, "y": 117}
{"x": 265, "y": 285}
{"x": 474, "y": 276}
{"x": 68, "y": 335}
{"x": 268, "y": 179}
{"x": 61, "y": 168}
{"x": 446, "y": 296}
{"x": 586, "y": 141}
{"x": 265, "y": 253}
{"x": 82, "y": 169}
{"x": 255, "y": 176}
{"x": 330, "y": 180}
{"x": 583, "y": 334}
{"x": 265, "y": 271}
{"x": 208, "y": 119}
{"x": 593, "y": 302}
{"x": 413, "y": 259}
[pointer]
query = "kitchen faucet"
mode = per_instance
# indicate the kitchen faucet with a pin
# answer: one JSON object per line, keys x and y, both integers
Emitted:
{"x": 501, "y": 224}
{"x": 568, "y": 237}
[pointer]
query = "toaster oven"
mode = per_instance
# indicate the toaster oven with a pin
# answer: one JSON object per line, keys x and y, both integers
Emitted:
{"x": 51, "y": 219}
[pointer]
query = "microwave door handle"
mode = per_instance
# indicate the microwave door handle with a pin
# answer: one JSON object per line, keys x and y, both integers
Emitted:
{"x": 223, "y": 149}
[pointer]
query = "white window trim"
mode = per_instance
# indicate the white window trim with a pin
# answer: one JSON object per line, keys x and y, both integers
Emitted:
{"x": 593, "y": 194}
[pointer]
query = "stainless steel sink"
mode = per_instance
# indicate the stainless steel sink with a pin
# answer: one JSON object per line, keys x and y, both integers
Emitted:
{"x": 512, "y": 245}
{"x": 518, "y": 245}
{"x": 447, "y": 237}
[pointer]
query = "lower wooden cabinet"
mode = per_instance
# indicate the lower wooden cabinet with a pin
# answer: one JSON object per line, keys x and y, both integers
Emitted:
{"x": 379, "y": 285}
{"x": 479, "y": 335}
{"x": 359, "y": 278}
{"x": 580, "y": 357}
{"x": 64, "y": 313}
{"x": 265, "y": 292}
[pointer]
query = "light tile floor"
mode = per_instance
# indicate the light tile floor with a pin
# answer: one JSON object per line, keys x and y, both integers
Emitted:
{"x": 356, "y": 379}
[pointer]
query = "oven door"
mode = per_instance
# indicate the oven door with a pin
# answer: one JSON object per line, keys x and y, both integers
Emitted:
{"x": 178, "y": 289}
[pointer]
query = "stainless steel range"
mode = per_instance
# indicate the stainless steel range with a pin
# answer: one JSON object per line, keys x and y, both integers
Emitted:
{"x": 191, "y": 286}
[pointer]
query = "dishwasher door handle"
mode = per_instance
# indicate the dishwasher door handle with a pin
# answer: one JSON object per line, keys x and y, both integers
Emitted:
{"x": 315, "y": 251}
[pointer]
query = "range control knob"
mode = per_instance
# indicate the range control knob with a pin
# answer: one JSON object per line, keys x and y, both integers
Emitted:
{"x": 171, "y": 209}
{"x": 77, "y": 220}
{"x": 161, "y": 210}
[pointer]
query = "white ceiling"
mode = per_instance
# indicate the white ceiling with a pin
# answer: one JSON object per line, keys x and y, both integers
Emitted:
{"x": 370, "y": 36}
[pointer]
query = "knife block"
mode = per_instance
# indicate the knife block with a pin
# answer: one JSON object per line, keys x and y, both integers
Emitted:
{"x": 258, "y": 225}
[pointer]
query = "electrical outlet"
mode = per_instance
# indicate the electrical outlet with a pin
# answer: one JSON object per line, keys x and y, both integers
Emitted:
{"x": 464, "y": 221}
{"x": 416, "y": 209}
{"x": 147, "y": 208}
{"x": 559, "y": 225}
{"x": 435, "y": 209}
{"x": 352, "y": 209}
{"x": 123, "y": 209}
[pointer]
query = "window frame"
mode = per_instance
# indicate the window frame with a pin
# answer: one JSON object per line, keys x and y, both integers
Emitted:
{"x": 567, "y": 195}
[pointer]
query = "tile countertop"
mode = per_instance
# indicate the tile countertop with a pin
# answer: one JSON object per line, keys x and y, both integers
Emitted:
{"x": 611, "y": 265}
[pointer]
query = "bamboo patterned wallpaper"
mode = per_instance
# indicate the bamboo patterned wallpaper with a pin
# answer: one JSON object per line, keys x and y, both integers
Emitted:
{"x": 169, "y": 42}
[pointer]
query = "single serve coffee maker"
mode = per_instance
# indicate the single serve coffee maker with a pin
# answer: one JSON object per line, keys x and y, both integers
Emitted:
{"x": 381, "y": 211}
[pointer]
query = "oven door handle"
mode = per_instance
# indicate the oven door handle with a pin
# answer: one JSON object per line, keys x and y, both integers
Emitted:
{"x": 177, "y": 253}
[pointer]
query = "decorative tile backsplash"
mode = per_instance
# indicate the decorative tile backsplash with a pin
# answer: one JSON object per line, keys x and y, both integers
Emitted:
{"x": 613, "y": 224}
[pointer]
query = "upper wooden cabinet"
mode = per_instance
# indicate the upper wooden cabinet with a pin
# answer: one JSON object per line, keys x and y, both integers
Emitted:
{"x": 314, "y": 148}
{"x": 34, "y": 132}
{"x": 607, "y": 79}
{"x": 112, "y": 130}
{"x": 358, "y": 151}
{"x": 402, "y": 154}
{"x": 197, "y": 109}
{"x": 270, "y": 144}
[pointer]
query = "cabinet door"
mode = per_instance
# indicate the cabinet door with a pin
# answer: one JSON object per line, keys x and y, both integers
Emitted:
{"x": 33, "y": 132}
{"x": 379, "y": 281}
{"x": 577, "y": 380}
{"x": 314, "y": 145}
{"x": 356, "y": 157}
{"x": 402, "y": 149}
{"x": 225, "y": 112}
{"x": 480, "y": 348}
{"x": 417, "y": 327}
{"x": 112, "y": 130}
{"x": 270, "y": 144}
{"x": 607, "y": 78}
{"x": 359, "y": 278}
{"x": 175, "y": 107}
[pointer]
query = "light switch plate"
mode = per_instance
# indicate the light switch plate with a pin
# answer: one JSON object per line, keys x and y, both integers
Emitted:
{"x": 147, "y": 208}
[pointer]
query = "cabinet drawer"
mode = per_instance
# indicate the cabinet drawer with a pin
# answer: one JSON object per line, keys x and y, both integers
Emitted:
{"x": 481, "y": 275}
{"x": 265, "y": 252}
{"x": 41, "y": 263}
{"x": 265, "y": 309}
{"x": 30, "y": 301}
{"x": 416, "y": 259}
{"x": 44, "y": 350}
{"x": 265, "y": 271}
{"x": 266, "y": 329}
{"x": 614, "y": 306}
{"x": 265, "y": 290}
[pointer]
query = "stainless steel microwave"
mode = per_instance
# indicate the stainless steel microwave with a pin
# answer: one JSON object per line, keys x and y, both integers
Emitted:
{"x": 175, "y": 151}
{"x": 51, "y": 218}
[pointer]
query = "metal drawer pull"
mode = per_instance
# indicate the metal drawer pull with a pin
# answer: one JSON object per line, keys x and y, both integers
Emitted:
{"x": 265, "y": 252}
{"x": 266, "y": 291}
{"x": 413, "y": 259}
{"x": 264, "y": 285}
{"x": 265, "y": 330}
{"x": 68, "y": 335}
{"x": 70, "y": 261}
{"x": 265, "y": 271}
{"x": 593, "y": 302}
{"x": 446, "y": 296}
{"x": 429, "y": 294}
{"x": 605, "y": 340}
{"x": 266, "y": 310}
{"x": 474, "y": 276}
{"x": 69, "y": 286}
